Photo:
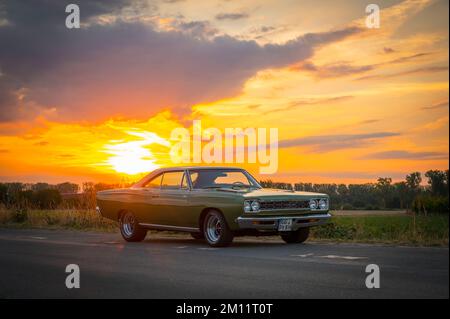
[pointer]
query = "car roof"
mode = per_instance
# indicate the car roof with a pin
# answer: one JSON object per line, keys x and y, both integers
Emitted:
{"x": 179, "y": 168}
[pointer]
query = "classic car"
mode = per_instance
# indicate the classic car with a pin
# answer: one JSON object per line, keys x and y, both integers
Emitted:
{"x": 212, "y": 203}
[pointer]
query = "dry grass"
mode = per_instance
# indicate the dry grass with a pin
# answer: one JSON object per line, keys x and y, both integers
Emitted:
{"x": 70, "y": 219}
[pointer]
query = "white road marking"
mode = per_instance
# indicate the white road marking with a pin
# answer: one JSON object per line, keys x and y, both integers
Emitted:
{"x": 40, "y": 238}
{"x": 207, "y": 248}
{"x": 181, "y": 247}
{"x": 343, "y": 257}
{"x": 303, "y": 256}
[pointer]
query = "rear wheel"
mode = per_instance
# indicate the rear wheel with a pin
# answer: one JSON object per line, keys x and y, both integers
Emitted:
{"x": 296, "y": 237}
{"x": 130, "y": 228}
{"x": 216, "y": 231}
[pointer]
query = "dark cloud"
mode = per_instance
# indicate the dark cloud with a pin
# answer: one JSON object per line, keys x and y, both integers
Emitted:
{"x": 408, "y": 58}
{"x": 232, "y": 16}
{"x": 369, "y": 121}
{"x": 407, "y": 155}
{"x": 311, "y": 101}
{"x": 266, "y": 28}
{"x": 327, "y": 143}
{"x": 173, "y": 1}
{"x": 125, "y": 68}
{"x": 197, "y": 29}
{"x": 429, "y": 69}
{"x": 443, "y": 104}
{"x": 342, "y": 69}
{"x": 388, "y": 50}
{"x": 42, "y": 143}
{"x": 335, "y": 69}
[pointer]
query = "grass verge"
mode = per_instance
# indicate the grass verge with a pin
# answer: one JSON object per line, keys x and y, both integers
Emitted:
{"x": 431, "y": 230}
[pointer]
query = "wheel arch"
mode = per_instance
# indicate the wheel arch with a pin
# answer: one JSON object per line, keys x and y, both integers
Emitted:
{"x": 120, "y": 213}
{"x": 205, "y": 211}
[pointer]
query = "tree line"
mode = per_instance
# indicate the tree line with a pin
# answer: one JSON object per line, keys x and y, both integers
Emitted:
{"x": 409, "y": 194}
{"x": 50, "y": 196}
{"x": 384, "y": 194}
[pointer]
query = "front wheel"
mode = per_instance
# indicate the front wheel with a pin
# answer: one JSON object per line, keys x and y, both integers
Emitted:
{"x": 216, "y": 231}
{"x": 130, "y": 228}
{"x": 296, "y": 237}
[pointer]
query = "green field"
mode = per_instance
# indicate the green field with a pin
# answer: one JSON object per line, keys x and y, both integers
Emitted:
{"x": 431, "y": 230}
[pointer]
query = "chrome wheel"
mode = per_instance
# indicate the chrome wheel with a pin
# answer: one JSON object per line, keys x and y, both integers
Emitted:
{"x": 216, "y": 230}
{"x": 130, "y": 228}
{"x": 213, "y": 228}
{"x": 128, "y": 224}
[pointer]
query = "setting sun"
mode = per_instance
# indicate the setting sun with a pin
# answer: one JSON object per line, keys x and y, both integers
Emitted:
{"x": 134, "y": 157}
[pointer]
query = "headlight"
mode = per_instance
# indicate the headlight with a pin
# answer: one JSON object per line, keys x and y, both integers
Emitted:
{"x": 255, "y": 206}
{"x": 247, "y": 206}
{"x": 323, "y": 204}
{"x": 251, "y": 206}
{"x": 313, "y": 204}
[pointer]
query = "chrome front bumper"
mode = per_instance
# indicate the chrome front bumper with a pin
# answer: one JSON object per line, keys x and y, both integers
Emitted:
{"x": 271, "y": 223}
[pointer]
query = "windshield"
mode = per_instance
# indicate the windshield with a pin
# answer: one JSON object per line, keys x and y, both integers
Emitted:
{"x": 222, "y": 178}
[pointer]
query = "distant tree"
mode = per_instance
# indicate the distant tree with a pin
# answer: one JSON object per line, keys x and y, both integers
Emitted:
{"x": 361, "y": 195}
{"x": 14, "y": 194}
{"x": 438, "y": 181}
{"x": 40, "y": 186}
{"x": 384, "y": 187}
{"x": 47, "y": 198}
{"x": 67, "y": 188}
{"x": 3, "y": 193}
{"x": 266, "y": 183}
{"x": 402, "y": 192}
{"x": 343, "y": 195}
{"x": 280, "y": 185}
{"x": 304, "y": 187}
{"x": 446, "y": 182}
{"x": 413, "y": 180}
{"x": 88, "y": 187}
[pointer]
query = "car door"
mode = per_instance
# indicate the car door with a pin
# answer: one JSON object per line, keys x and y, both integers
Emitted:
{"x": 150, "y": 210}
{"x": 174, "y": 198}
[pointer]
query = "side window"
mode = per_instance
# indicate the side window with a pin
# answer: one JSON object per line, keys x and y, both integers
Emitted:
{"x": 194, "y": 176}
{"x": 155, "y": 182}
{"x": 172, "y": 180}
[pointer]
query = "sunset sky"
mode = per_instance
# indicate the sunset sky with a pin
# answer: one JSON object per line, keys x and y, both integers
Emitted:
{"x": 350, "y": 103}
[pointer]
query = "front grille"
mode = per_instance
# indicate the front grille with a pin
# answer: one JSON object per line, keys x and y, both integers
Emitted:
{"x": 284, "y": 204}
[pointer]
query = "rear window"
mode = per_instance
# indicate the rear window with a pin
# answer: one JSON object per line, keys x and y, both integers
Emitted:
{"x": 172, "y": 180}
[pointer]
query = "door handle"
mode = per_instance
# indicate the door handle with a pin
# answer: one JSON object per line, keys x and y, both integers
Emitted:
{"x": 154, "y": 196}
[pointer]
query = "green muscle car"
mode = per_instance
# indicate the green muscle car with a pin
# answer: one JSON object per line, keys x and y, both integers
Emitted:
{"x": 214, "y": 203}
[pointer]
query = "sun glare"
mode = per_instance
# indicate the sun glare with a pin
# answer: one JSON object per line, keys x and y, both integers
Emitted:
{"x": 134, "y": 157}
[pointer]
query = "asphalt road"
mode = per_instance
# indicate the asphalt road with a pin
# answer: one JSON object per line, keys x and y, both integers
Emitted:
{"x": 33, "y": 262}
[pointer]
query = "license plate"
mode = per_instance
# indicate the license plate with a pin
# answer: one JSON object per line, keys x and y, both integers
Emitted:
{"x": 285, "y": 224}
